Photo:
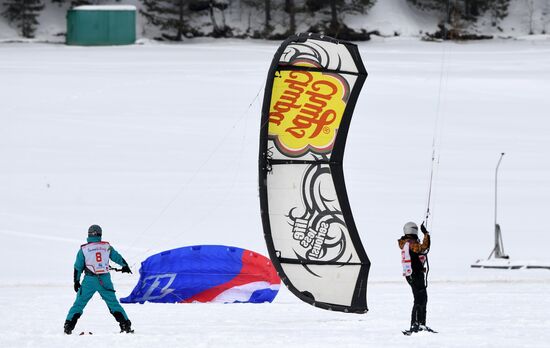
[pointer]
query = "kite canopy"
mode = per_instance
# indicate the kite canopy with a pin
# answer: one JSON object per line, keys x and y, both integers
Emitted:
{"x": 205, "y": 273}
{"x": 311, "y": 90}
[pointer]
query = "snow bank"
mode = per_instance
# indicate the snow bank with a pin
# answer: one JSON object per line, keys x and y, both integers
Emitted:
{"x": 395, "y": 17}
{"x": 105, "y": 8}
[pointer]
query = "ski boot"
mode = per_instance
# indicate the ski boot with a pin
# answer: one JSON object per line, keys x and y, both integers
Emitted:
{"x": 68, "y": 327}
{"x": 70, "y": 324}
{"x": 126, "y": 326}
{"x": 415, "y": 327}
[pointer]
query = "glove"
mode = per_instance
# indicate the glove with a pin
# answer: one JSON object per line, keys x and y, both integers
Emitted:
{"x": 76, "y": 280}
{"x": 423, "y": 229}
{"x": 126, "y": 269}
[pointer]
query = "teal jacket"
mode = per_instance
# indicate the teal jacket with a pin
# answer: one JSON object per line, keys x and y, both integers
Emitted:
{"x": 80, "y": 264}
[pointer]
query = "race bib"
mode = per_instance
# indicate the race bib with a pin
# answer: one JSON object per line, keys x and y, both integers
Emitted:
{"x": 96, "y": 256}
{"x": 406, "y": 260}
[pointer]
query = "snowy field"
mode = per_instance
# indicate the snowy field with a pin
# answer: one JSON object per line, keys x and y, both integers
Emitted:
{"x": 158, "y": 145}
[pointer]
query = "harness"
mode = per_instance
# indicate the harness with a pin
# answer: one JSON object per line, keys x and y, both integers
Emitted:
{"x": 406, "y": 261}
{"x": 96, "y": 260}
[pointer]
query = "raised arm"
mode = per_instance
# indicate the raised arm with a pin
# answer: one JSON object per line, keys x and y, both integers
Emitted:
{"x": 421, "y": 247}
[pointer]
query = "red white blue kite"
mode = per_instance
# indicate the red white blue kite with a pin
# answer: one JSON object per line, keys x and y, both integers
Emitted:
{"x": 206, "y": 273}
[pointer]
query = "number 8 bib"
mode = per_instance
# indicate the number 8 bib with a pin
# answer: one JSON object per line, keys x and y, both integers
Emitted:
{"x": 96, "y": 257}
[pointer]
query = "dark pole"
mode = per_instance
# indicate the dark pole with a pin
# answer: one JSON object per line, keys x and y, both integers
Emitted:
{"x": 292, "y": 13}
{"x": 334, "y": 16}
{"x": 180, "y": 22}
{"x": 267, "y": 14}
{"x": 447, "y": 20}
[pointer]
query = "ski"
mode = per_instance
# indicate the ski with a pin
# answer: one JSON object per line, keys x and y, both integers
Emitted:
{"x": 425, "y": 329}
{"x": 85, "y": 333}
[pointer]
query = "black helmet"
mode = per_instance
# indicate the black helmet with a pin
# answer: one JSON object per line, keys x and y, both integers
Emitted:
{"x": 94, "y": 231}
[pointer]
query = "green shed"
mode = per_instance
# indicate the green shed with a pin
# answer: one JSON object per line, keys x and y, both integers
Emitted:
{"x": 101, "y": 25}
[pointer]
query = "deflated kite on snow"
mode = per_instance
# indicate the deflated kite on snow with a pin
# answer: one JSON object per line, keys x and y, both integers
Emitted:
{"x": 206, "y": 273}
{"x": 312, "y": 87}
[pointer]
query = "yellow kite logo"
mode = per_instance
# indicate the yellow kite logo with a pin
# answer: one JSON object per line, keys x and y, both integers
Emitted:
{"x": 306, "y": 111}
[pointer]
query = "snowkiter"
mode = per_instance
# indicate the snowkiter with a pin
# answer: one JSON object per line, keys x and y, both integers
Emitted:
{"x": 414, "y": 256}
{"x": 93, "y": 259}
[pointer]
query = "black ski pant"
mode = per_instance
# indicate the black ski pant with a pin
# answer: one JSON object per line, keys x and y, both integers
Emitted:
{"x": 418, "y": 286}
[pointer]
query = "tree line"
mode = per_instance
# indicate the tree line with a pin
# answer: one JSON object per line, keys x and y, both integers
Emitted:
{"x": 269, "y": 19}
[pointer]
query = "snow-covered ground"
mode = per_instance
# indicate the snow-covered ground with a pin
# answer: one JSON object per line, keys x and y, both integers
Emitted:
{"x": 158, "y": 145}
{"x": 491, "y": 314}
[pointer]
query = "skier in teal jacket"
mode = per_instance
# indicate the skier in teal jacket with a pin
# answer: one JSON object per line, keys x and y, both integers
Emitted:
{"x": 93, "y": 259}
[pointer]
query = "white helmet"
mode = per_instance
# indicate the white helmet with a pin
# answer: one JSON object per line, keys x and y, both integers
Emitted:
{"x": 410, "y": 228}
